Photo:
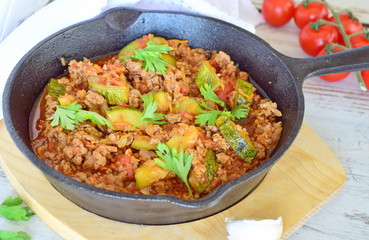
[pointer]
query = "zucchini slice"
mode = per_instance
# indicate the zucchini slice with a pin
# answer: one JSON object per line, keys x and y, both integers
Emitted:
{"x": 199, "y": 179}
{"x": 143, "y": 142}
{"x": 163, "y": 100}
{"x": 112, "y": 94}
{"x": 189, "y": 104}
{"x": 120, "y": 117}
{"x": 188, "y": 138}
{"x": 149, "y": 173}
{"x": 127, "y": 52}
{"x": 207, "y": 74}
{"x": 238, "y": 140}
{"x": 55, "y": 89}
{"x": 244, "y": 94}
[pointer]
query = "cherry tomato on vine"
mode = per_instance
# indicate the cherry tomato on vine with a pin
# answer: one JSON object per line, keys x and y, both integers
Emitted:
{"x": 365, "y": 76}
{"x": 314, "y": 37}
{"x": 278, "y": 12}
{"x": 359, "y": 41}
{"x": 311, "y": 12}
{"x": 350, "y": 24}
{"x": 335, "y": 77}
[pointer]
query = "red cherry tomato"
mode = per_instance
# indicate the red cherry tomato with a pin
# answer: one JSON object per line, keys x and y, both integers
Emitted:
{"x": 359, "y": 41}
{"x": 335, "y": 77}
{"x": 350, "y": 24}
{"x": 278, "y": 12}
{"x": 365, "y": 76}
{"x": 313, "y": 41}
{"x": 310, "y": 13}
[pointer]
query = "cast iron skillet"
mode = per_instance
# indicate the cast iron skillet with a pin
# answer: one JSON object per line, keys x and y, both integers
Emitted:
{"x": 275, "y": 75}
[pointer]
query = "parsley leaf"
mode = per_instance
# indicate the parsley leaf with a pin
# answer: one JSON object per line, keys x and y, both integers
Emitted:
{"x": 11, "y": 210}
{"x": 176, "y": 162}
{"x": 208, "y": 93}
{"x": 68, "y": 116}
{"x": 209, "y": 116}
{"x": 151, "y": 56}
{"x": 149, "y": 113}
{"x": 8, "y": 235}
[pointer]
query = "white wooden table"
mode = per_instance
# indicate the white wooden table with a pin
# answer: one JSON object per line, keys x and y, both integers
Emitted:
{"x": 337, "y": 112}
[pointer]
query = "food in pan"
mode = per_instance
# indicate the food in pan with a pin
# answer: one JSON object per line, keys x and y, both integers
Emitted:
{"x": 158, "y": 118}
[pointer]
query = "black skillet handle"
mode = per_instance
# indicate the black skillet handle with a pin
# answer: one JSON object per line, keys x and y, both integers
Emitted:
{"x": 347, "y": 61}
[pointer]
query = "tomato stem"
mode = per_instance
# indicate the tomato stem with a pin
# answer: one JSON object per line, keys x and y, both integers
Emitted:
{"x": 360, "y": 81}
{"x": 346, "y": 38}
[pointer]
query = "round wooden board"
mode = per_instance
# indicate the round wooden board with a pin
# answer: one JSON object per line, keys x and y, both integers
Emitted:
{"x": 301, "y": 183}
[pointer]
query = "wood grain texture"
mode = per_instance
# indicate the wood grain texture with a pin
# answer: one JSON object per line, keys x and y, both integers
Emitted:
{"x": 360, "y": 8}
{"x": 302, "y": 182}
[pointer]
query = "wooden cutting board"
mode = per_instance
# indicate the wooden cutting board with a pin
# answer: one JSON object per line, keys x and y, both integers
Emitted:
{"x": 300, "y": 184}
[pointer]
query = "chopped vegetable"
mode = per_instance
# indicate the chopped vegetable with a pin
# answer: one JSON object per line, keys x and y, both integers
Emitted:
{"x": 244, "y": 94}
{"x": 121, "y": 117}
{"x": 183, "y": 140}
{"x": 143, "y": 142}
{"x": 163, "y": 100}
{"x": 127, "y": 52}
{"x": 151, "y": 56}
{"x": 176, "y": 162}
{"x": 237, "y": 139}
{"x": 189, "y": 104}
{"x": 55, "y": 89}
{"x": 8, "y": 235}
{"x": 68, "y": 116}
{"x": 149, "y": 113}
{"x": 210, "y": 115}
{"x": 149, "y": 173}
{"x": 207, "y": 75}
{"x": 11, "y": 210}
{"x": 199, "y": 179}
{"x": 112, "y": 94}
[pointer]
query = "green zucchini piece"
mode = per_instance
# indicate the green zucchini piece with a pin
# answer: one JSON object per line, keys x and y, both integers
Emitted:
{"x": 199, "y": 179}
{"x": 120, "y": 117}
{"x": 163, "y": 100}
{"x": 169, "y": 59}
{"x": 244, "y": 93}
{"x": 127, "y": 52}
{"x": 112, "y": 94}
{"x": 238, "y": 140}
{"x": 189, "y": 104}
{"x": 207, "y": 74}
{"x": 149, "y": 173}
{"x": 143, "y": 142}
{"x": 55, "y": 89}
{"x": 184, "y": 140}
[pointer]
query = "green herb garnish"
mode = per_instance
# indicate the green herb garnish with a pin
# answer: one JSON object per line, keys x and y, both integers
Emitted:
{"x": 8, "y": 235}
{"x": 176, "y": 162}
{"x": 68, "y": 116}
{"x": 210, "y": 115}
{"x": 11, "y": 210}
{"x": 149, "y": 113}
{"x": 151, "y": 56}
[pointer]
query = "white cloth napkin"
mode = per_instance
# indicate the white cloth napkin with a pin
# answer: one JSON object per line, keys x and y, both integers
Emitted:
{"x": 62, "y": 13}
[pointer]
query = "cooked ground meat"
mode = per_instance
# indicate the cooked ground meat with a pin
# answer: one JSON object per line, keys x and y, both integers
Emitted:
{"x": 122, "y": 159}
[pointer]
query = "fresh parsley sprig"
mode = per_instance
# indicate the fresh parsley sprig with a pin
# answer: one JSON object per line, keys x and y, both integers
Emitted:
{"x": 208, "y": 115}
{"x": 176, "y": 162}
{"x": 68, "y": 116}
{"x": 11, "y": 210}
{"x": 151, "y": 56}
{"x": 149, "y": 113}
{"x": 8, "y": 235}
